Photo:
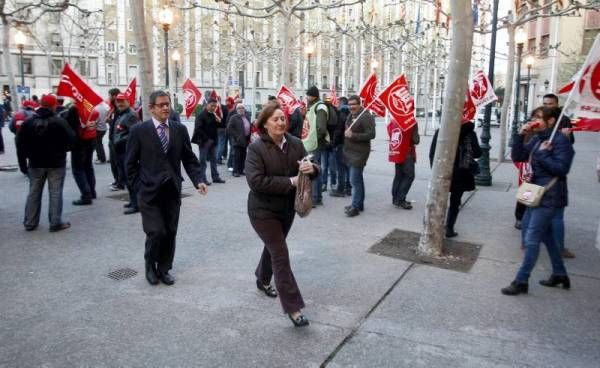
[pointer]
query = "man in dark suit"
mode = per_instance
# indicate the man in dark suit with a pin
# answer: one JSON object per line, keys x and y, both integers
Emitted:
{"x": 205, "y": 136}
{"x": 155, "y": 151}
{"x": 238, "y": 131}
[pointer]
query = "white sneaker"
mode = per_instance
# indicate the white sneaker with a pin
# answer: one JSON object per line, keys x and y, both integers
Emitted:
{"x": 230, "y": 169}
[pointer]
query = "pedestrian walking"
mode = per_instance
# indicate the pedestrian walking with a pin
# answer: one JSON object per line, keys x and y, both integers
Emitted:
{"x": 44, "y": 140}
{"x": 359, "y": 132}
{"x": 101, "y": 128}
{"x": 113, "y": 114}
{"x": 404, "y": 155}
{"x": 272, "y": 168}
{"x": 343, "y": 178}
{"x": 238, "y": 131}
{"x": 205, "y": 136}
{"x": 463, "y": 173}
{"x": 155, "y": 152}
{"x": 550, "y": 163}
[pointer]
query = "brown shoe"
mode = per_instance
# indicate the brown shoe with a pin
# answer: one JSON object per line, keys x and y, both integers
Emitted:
{"x": 567, "y": 253}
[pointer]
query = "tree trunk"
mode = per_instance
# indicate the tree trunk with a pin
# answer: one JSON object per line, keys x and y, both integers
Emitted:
{"x": 285, "y": 52}
{"x": 8, "y": 64}
{"x": 144, "y": 52}
{"x": 458, "y": 74}
{"x": 508, "y": 91}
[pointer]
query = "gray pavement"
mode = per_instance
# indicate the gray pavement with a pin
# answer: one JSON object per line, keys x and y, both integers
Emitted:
{"x": 59, "y": 309}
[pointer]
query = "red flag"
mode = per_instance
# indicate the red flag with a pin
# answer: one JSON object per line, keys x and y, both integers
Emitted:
{"x": 192, "y": 96}
{"x": 71, "y": 85}
{"x": 368, "y": 93}
{"x": 584, "y": 124}
{"x": 566, "y": 88}
{"x": 401, "y": 105}
{"x": 287, "y": 100}
{"x": 333, "y": 93}
{"x": 131, "y": 91}
{"x": 482, "y": 90}
{"x": 400, "y": 142}
{"x": 587, "y": 94}
{"x": 218, "y": 111}
{"x": 469, "y": 109}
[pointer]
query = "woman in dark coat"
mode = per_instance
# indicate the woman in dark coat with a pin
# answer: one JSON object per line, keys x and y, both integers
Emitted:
{"x": 272, "y": 167}
{"x": 463, "y": 175}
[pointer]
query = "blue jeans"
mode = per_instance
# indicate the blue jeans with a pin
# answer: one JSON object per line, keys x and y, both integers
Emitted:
{"x": 317, "y": 183}
{"x": 539, "y": 221}
{"x": 557, "y": 227}
{"x": 37, "y": 180}
{"x": 208, "y": 153}
{"x": 343, "y": 176}
{"x": 329, "y": 166}
{"x": 358, "y": 187}
{"x": 221, "y": 144}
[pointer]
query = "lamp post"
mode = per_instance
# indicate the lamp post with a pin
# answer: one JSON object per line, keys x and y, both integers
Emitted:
{"x": 442, "y": 78}
{"x": 176, "y": 57}
{"x": 374, "y": 65}
{"x": 546, "y": 85}
{"x": 165, "y": 18}
{"x": 309, "y": 49}
{"x": 520, "y": 38}
{"x": 529, "y": 60}
{"x": 20, "y": 40}
{"x": 484, "y": 177}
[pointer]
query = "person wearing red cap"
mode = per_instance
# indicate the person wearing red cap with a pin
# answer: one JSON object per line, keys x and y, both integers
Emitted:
{"x": 44, "y": 140}
{"x": 126, "y": 119}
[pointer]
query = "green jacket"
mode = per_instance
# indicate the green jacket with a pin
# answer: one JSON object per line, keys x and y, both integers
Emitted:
{"x": 358, "y": 147}
{"x": 317, "y": 116}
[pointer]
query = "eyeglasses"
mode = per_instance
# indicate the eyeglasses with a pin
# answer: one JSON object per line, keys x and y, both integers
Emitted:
{"x": 162, "y": 105}
{"x": 353, "y": 104}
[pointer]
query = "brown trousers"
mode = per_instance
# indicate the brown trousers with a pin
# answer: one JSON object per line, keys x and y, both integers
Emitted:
{"x": 275, "y": 261}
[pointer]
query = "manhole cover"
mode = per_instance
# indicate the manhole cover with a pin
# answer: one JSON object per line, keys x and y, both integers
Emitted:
{"x": 122, "y": 274}
{"x": 124, "y": 197}
{"x": 401, "y": 244}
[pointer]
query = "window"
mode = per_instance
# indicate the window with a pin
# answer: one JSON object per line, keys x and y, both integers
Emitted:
{"x": 111, "y": 75}
{"x": 56, "y": 66}
{"x": 589, "y": 35}
{"x": 129, "y": 24}
{"x": 54, "y": 17}
{"x": 111, "y": 47}
{"x": 337, "y": 81}
{"x": 544, "y": 45}
{"x": 55, "y": 39}
{"x": 27, "y": 66}
{"x": 324, "y": 81}
{"x": 132, "y": 48}
{"x": 531, "y": 46}
{"x": 257, "y": 81}
{"x": 132, "y": 72}
{"x": 83, "y": 66}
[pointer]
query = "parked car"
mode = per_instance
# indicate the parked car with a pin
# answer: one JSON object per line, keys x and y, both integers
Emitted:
{"x": 494, "y": 120}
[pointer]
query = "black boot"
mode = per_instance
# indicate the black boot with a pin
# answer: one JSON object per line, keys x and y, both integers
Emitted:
{"x": 516, "y": 288}
{"x": 557, "y": 280}
{"x": 450, "y": 233}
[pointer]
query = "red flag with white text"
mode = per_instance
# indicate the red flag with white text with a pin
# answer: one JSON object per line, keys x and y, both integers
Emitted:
{"x": 288, "y": 101}
{"x": 401, "y": 105}
{"x": 368, "y": 93}
{"x": 130, "y": 92}
{"x": 585, "y": 95}
{"x": 192, "y": 96}
{"x": 469, "y": 109}
{"x": 71, "y": 85}
{"x": 482, "y": 90}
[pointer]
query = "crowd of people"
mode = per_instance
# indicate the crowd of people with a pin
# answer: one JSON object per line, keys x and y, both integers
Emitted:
{"x": 330, "y": 143}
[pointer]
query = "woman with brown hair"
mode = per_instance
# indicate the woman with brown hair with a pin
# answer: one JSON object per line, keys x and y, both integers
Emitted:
{"x": 272, "y": 168}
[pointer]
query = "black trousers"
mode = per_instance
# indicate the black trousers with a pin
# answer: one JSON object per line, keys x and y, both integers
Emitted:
{"x": 160, "y": 218}
{"x": 121, "y": 166}
{"x": 100, "y": 154}
{"x": 114, "y": 168}
{"x": 275, "y": 261}
{"x": 403, "y": 179}
{"x": 453, "y": 208}
{"x": 83, "y": 169}
{"x": 520, "y": 211}
{"x": 239, "y": 159}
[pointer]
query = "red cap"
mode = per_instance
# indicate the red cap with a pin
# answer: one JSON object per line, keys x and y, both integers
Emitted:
{"x": 28, "y": 103}
{"x": 122, "y": 96}
{"x": 48, "y": 101}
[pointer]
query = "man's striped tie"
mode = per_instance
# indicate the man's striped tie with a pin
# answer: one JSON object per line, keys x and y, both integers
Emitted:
{"x": 162, "y": 134}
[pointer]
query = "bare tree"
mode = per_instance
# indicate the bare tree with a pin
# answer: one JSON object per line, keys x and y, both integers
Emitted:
{"x": 143, "y": 49}
{"x": 431, "y": 242}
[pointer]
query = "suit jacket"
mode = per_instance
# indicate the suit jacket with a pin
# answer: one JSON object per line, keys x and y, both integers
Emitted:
{"x": 205, "y": 128}
{"x": 148, "y": 167}
{"x": 235, "y": 131}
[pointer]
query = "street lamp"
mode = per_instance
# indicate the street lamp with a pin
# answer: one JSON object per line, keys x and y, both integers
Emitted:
{"x": 529, "y": 60}
{"x": 309, "y": 50}
{"x": 374, "y": 64}
{"x": 165, "y": 18}
{"x": 520, "y": 38}
{"x": 546, "y": 85}
{"x": 442, "y": 78}
{"x": 176, "y": 57}
{"x": 20, "y": 40}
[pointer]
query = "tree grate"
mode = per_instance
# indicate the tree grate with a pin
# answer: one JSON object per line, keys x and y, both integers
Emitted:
{"x": 122, "y": 274}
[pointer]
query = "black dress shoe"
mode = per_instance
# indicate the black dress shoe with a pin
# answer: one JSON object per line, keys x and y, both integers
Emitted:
{"x": 167, "y": 278}
{"x": 94, "y": 195}
{"x": 82, "y": 202}
{"x": 300, "y": 321}
{"x": 30, "y": 228}
{"x": 207, "y": 182}
{"x": 450, "y": 233}
{"x": 268, "y": 290}
{"x": 127, "y": 205}
{"x": 352, "y": 212}
{"x": 405, "y": 205}
{"x": 131, "y": 210}
{"x": 516, "y": 288}
{"x": 63, "y": 226}
{"x": 219, "y": 181}
{"x": 151, "y": 274}
{"x": 555, "y": 280}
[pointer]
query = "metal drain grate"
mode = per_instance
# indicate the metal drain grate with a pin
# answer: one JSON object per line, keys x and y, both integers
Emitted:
{"x": 122, "y": 274}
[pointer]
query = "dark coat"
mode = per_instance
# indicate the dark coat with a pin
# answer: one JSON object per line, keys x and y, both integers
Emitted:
{"x": 123, "y": 125}
{"x": 358, "y": 148}
{"x": 148, "y": 167}
{"x": 45, "y": 139}
{"x": 205, "y": 128}
{"x": 547, "y": 164}
{"x": 236, "y": 132}
{"x": 268, "y": 172}
{"x": 338, "y": 134}
{"x": 296, "y": 123}
{"x": 463, "y": 179}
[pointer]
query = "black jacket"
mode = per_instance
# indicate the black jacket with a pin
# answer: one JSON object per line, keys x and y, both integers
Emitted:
{"x": 296, "y": 123}
{"x": 45, "y": 139}
{"x": 205, "y": 128}
{"x": 123, "y": 124}
{"x": 338, "y": 134}
{"x": 148, "y": 167}
{"x": 236, "y": 132}
{"x": 547, "y": 164}
{"x": 268, "y": 172}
